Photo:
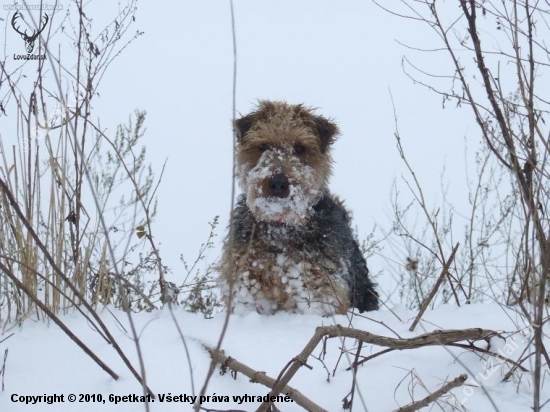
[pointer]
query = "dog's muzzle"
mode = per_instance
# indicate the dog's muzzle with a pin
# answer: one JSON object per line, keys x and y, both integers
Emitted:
{"x": 279, "y": 186}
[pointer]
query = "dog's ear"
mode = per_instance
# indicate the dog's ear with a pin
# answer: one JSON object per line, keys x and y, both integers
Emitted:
{"x": 243, "y": 125}
{"x": 326, "y": 129}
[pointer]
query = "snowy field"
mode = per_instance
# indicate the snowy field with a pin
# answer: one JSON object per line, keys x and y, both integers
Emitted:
{"x": 43, "y": 361}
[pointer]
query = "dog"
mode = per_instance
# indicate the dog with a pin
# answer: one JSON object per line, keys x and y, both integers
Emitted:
{"x": 290, "y": 245}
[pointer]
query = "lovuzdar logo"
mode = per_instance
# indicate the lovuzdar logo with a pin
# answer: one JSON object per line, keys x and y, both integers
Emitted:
{"x": 29, "y": 39}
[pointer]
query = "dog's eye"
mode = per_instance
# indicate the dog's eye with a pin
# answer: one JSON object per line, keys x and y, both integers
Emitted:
{"x": 299, "y": 149}
{"x": 264, "y": 147}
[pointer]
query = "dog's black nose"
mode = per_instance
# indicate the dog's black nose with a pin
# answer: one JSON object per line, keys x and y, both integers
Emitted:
{"x": 278, "y": 185}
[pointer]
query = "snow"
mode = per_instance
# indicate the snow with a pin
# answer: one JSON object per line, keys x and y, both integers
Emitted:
{"x": 43, "y": 361}
{"x": 286, "y": 274}
{"x": 302, "y": 188}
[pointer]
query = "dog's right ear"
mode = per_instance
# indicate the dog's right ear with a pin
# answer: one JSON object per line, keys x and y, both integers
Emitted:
{"x": 326, "y": 129}
{"x": 243, "y": 125}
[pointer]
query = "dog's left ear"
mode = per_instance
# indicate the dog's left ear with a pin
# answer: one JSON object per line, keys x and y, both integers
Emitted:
{"x": 326, "y": 129}
{"x": 243, "y": 125}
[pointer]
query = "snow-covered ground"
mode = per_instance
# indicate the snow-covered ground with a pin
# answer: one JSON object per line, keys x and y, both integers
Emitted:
{"x": 43, "y": 361}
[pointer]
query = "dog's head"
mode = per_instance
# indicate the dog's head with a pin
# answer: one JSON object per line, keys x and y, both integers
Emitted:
{"x": 283, "y": 160}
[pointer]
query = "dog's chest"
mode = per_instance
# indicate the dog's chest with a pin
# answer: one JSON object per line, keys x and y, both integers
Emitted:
{"x": 289, "y": 278}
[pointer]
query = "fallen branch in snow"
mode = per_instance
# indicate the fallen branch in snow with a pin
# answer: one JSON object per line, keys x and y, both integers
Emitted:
{"x": 261, "y": 377}
{"x": 458, "y": 381}
{"x": 436, "y": 338}
{"x": 470, "y": 346}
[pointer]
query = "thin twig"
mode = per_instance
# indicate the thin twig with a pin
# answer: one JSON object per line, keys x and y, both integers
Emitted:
{"x": 434, "y": 290}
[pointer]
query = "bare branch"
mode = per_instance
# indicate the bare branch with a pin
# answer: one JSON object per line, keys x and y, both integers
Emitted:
{"x": 262, "y": 378}
{"x": 458, "y": 381}
{"x": 436, "y": 338}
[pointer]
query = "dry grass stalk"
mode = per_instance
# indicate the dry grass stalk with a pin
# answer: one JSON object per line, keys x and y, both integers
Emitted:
{"x": 99, "y": 323}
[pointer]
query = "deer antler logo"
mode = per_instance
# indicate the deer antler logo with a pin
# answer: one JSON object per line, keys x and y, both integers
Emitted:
{"x": 29, "y": 40}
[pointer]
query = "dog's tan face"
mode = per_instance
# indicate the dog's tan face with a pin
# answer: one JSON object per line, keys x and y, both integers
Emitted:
{"x": 283, "y": 160}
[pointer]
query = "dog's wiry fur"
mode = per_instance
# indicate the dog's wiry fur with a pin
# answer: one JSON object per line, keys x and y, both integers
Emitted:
{"x": 290, "y": 245}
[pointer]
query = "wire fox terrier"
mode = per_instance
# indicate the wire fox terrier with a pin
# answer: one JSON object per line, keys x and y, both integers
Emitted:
{"x": 290, "y": 245}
